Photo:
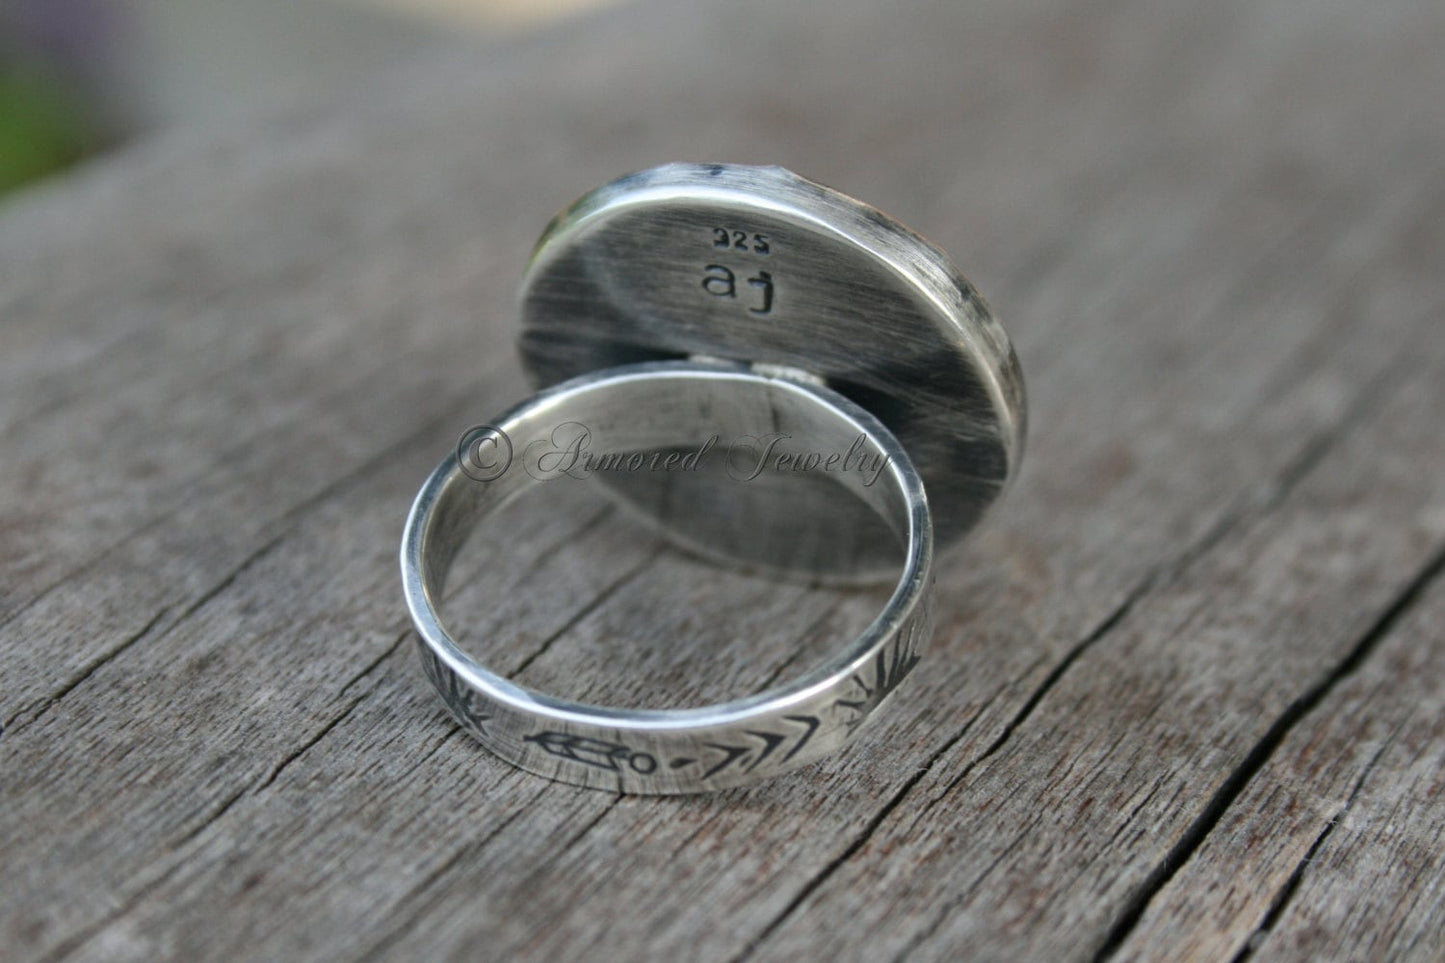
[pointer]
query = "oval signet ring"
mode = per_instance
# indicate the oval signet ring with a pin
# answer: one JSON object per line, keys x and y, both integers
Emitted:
{"x": 870, "y": 399}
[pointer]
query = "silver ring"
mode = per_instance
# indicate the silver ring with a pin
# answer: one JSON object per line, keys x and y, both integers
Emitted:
{"x": 674, "y": 750}
{"x": 696, "y": 300}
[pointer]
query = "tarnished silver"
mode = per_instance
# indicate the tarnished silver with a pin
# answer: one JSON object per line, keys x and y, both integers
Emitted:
{"x": 681, "y": 750}
{"x": 697, "y": 302}
{"x": 760, "y": 266}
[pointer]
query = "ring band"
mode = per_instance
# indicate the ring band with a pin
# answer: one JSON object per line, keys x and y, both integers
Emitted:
{"x": 644, "y": 407}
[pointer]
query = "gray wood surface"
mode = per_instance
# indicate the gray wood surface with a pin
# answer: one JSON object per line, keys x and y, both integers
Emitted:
{"x": 1187, "y": 695}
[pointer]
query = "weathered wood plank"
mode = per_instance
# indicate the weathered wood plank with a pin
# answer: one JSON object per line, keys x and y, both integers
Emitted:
{"x": 1333, "y": 849}
{"x": 1215, "y": 235}
{"x": 1370, "y": 885}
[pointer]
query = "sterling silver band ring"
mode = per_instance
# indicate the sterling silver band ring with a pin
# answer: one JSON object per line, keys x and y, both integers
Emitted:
{"x": 682, "y": 750}
{"x": 690, "y": 302}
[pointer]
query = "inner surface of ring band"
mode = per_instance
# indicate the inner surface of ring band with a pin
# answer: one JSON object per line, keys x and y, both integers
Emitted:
{"x": 640, "y": 414}
{"x": 637, "y": 408}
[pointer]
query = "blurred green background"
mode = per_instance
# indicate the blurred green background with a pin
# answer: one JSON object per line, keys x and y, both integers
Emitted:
{"x": 79, "y": 77}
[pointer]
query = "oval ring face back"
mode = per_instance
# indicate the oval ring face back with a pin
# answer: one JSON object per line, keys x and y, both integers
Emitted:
{"x": 760, "y": 266}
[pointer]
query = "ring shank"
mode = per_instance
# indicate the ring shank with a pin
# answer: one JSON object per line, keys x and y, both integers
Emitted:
{"x": 645, "y": 407}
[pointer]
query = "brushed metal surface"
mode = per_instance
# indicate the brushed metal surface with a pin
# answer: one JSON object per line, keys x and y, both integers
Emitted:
{"x": 760, "y": 266}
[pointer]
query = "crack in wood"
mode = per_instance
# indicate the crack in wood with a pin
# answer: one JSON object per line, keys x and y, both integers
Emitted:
{"x": 595, "y": 603}
{"x": 856, "y": 845}
{"x": 246, "y": 563}
{"x": 285, "y": 519}
{"x": 36, "y": 709}
{"x": 305, "y": 746}
{"x": 1286, "y": 892}
{"x": 1229, "y": 790}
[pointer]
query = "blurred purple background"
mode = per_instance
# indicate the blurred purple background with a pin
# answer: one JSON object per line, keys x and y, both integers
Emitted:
{"x": 80, "y": 76}
{"x": 58, "y": 64}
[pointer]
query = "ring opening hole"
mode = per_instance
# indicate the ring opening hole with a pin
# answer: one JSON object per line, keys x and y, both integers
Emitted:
{"x": 596, "y": 589}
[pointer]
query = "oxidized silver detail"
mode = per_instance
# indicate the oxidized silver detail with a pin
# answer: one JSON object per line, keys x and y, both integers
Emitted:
{"x": 760, "y": 266}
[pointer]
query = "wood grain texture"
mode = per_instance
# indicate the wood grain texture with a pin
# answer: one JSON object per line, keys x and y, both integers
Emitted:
{"x": 1185, "y": 699}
